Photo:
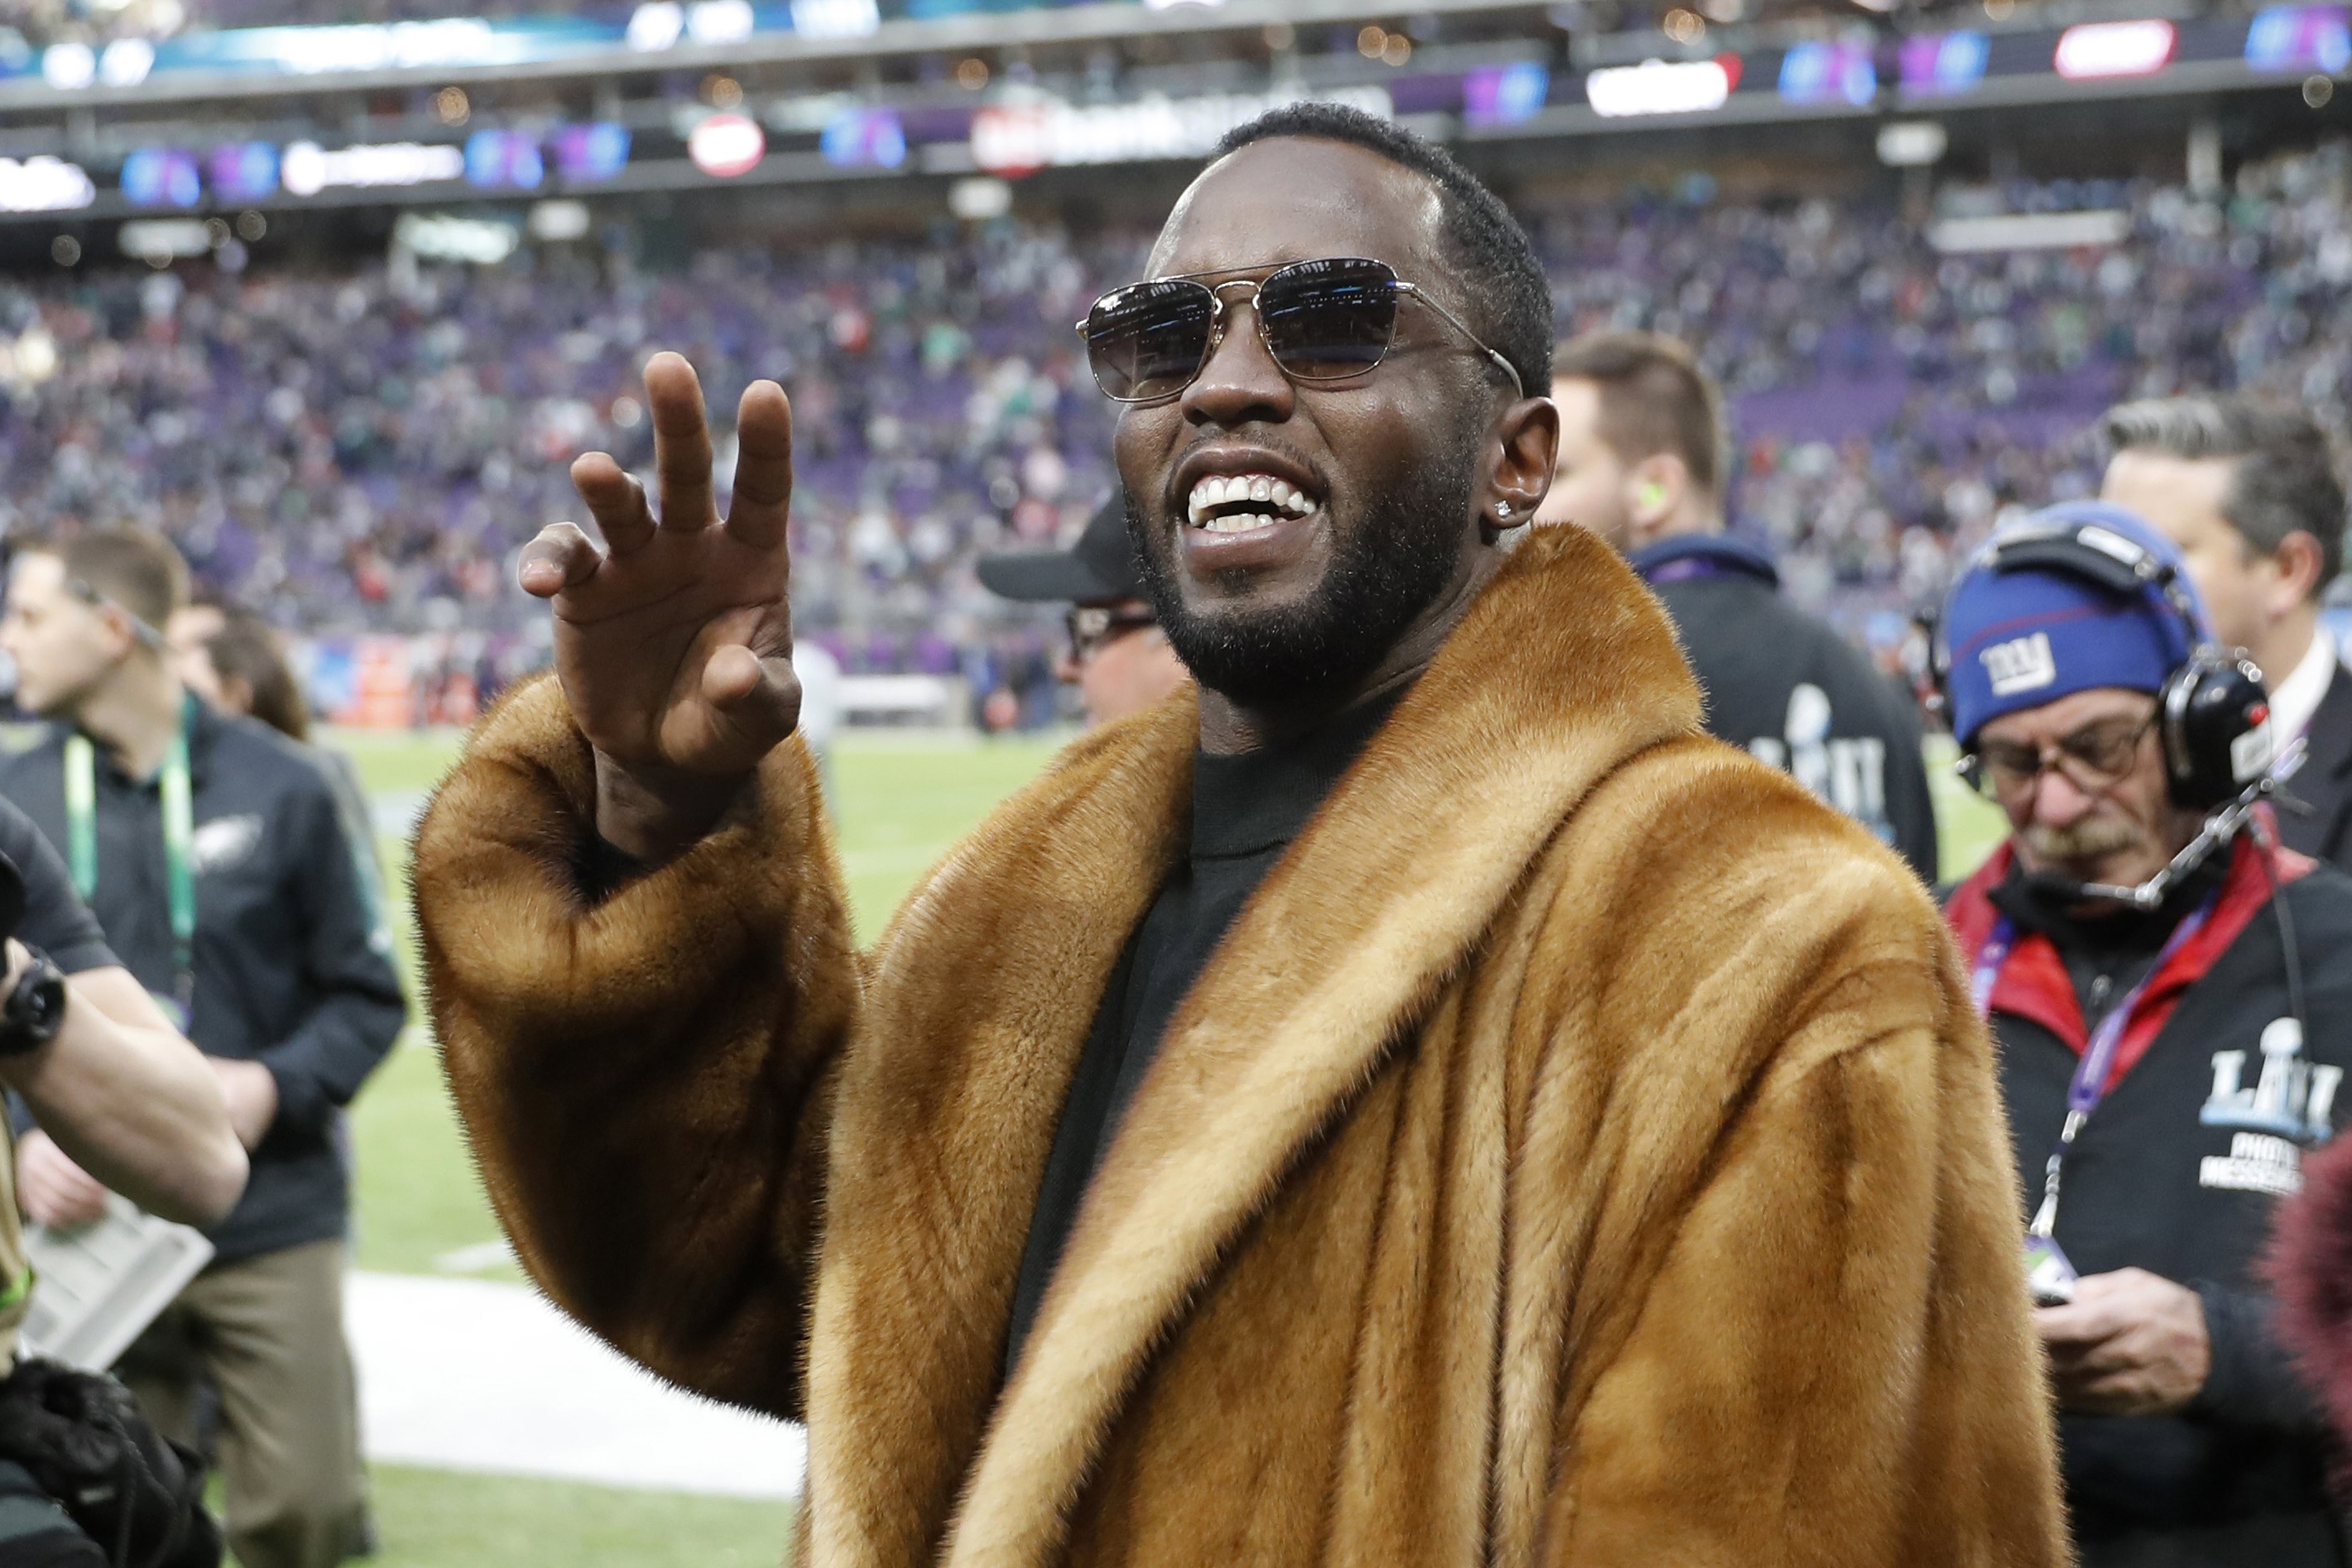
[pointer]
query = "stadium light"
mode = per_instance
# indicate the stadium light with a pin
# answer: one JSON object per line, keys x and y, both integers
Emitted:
{"x": 656, "y": 26}
{"x": 979, "y": 198}
{"x": 2091, "y": 50}
{"x": 1654, "y": 86}
{"x": 558, "y": 221}
{"x": 835, "y": 18}
{"x": 44, "y": 185}
{"x": 69, "y": 68}
{"x": 307, "y": 169}
{"x": 1912, "y": 143}
{"x": 159, "y": 240}
{"x": 2028, "y": 231}
{"x": 719, "y": 21}
{"x": 726, "y": 145}
{"x": 126, "y": 62}
{"x": 479, "y": 240}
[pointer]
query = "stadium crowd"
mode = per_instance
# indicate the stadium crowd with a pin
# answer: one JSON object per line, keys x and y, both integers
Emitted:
{"x": 403, "y": 430}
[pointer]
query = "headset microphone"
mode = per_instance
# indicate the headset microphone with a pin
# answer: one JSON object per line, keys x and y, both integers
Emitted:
{"x": 2212, "y": 717}
{"x": 2219, "y": 828}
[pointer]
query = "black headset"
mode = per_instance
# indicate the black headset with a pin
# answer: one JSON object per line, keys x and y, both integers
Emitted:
{"x": 2213, "y": 713}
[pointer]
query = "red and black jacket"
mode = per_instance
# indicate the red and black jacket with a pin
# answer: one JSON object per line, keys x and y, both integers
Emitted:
{"x": 2210, "y": 1109}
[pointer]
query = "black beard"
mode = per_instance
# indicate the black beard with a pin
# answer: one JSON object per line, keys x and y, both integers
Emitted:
{"x": 1387, "y": 571}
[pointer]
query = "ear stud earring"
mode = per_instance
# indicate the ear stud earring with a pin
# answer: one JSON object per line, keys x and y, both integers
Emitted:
{"x": 1503, "y": 511}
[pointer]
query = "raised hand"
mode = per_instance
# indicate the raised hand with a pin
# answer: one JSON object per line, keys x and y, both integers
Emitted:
{"x": 674, "y": 643}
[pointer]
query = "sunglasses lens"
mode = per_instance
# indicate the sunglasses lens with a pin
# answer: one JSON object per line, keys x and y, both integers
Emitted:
{"x": 1327, "y": 321}
{"x": 1147, "y": 341}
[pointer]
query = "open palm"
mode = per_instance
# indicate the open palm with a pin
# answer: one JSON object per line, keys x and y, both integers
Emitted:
{"x": 673, "y": 643}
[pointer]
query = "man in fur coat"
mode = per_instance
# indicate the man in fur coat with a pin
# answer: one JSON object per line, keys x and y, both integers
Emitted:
{"x": 1411, "y": 1101}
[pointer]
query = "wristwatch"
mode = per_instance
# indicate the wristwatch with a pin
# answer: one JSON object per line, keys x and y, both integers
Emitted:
{"x": 35, "y": 1008}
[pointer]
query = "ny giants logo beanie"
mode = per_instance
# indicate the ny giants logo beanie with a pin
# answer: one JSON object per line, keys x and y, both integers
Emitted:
{"x": 2033, "y": 634}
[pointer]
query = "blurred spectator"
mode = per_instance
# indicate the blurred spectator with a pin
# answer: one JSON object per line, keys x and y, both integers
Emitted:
{"x": 1641, "y": 457}
{"x": 212, "y": 854}
{"x": 1118, "y": 657}
{"x": 2250, "y": 493}
{"x": 230, "y": 657}
{"x": 399, "y": 433}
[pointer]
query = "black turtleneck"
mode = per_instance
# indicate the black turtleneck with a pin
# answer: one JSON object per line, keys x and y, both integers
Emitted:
{"x": 2107, "y": 948}
{"x": 1246, "y": 809}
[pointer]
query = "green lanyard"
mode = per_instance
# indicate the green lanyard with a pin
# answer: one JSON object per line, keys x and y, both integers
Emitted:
{"x": 179, "y": 833}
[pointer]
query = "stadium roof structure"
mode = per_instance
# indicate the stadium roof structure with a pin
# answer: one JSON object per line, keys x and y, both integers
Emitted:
{"x": 812, "y": 92}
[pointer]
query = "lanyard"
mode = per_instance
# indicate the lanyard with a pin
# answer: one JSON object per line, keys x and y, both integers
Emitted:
{"x": 179, "y": 833}
{"x": 2089, "y": 1084}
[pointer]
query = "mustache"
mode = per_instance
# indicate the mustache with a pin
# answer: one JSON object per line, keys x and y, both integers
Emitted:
{"x": 2086, "y": 840}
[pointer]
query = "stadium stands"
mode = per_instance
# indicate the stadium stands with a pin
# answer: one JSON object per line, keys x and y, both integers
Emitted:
{"x": 364, "y": 452}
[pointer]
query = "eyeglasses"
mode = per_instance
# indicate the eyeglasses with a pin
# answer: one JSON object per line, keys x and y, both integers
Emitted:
{"x": 2093, "y": 759}
{"x": 1095, "y": 627}
{"x": 1322, "y": 321}
{"x": 140, "y": 630}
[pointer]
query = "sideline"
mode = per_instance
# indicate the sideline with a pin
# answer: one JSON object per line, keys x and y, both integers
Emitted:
{"x": 474, "y": 1375}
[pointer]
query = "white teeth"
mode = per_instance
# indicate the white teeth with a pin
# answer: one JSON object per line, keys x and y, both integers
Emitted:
{"x": 1279, "y": 497}
{"x": 1237, "y": 523}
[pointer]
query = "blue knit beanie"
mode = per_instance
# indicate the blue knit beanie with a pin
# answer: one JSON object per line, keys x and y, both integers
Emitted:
{"x": 2033, "y": 634}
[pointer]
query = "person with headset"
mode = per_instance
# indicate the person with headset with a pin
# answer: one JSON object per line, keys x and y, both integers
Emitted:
{"x": 2172, "y": 995}
{"x": 1644, "y": 462}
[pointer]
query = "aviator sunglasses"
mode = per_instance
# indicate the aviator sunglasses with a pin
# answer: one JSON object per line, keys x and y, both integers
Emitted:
{"x": 1322, "y": 321}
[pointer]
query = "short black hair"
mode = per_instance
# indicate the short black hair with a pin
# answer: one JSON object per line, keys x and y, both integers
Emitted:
{"x": 1507, "y": 299}
{"x": 2283, "y": 478}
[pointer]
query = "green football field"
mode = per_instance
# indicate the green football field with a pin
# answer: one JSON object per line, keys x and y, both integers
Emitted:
{"x": 903, "y": 802}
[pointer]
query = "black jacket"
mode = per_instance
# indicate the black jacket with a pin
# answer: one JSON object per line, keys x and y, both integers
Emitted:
{"x": 1790, "y": 690}
{"x": 2324, "y": 782}
{"x": 55, "y": 920}
{"x": 2177, "y": 1172}
{"x": 293, "y": 961}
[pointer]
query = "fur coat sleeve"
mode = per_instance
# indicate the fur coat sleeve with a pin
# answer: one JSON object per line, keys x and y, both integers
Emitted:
{"x": 648, "y": 1083}
{"x": 1833, "y": 1348}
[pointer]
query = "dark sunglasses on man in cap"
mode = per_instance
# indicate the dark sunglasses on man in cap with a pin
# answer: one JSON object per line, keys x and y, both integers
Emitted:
{"x": 1093, "y": 627}
{"x": 1323, "y": 320}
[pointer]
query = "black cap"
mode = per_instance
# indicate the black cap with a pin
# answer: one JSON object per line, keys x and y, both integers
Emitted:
{"x": 1099, "y": 567}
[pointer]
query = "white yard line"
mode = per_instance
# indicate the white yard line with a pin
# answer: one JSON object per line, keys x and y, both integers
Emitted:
{"x": 470, "y": 1374}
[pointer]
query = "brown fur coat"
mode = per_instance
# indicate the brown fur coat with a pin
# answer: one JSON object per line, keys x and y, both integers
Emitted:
{"x": 1580, "y": 1152}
